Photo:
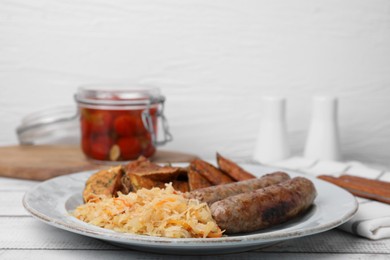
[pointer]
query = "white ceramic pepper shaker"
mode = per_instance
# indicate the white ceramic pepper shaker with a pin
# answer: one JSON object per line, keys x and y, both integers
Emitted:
{"x": 323, "y": 141}
{"x": 272, "y": 144}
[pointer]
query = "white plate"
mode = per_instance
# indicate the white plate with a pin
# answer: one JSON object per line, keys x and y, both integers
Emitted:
{"x": 52, "y": 200}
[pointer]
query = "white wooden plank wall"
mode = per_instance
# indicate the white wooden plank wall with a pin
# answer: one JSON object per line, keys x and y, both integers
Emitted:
{"x": 213, "y": 60}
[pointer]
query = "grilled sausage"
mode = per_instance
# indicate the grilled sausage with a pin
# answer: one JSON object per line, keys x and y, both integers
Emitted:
{"x": 265, "y": 207}
{"x": 218, "y": 192}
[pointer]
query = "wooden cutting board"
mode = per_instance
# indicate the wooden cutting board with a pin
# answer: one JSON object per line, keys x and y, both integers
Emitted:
{"x": 42, "y": 162}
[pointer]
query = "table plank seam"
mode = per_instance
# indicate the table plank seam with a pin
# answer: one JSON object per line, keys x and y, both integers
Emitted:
{"x": 256, "y": 252}
{"x": 15, "y": 216}
{"x": 64, "y": 249}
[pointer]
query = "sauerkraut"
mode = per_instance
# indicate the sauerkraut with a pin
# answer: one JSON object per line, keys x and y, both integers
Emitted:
{"x": 154, "y": 212}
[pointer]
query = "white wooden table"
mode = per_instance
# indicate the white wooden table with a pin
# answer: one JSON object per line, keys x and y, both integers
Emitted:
{"x": 23, "y": 237}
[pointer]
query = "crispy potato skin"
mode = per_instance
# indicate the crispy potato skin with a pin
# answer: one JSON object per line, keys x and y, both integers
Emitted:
{"x": 104, "y": 182}
{"x": 196, "y": 180}
{"x": 145, "y": 168}
{"x": 232, "y": 169}
{"x": 181, "y": 186}
{"x": 210, "y": 172}
{"x": 146, "y": 174}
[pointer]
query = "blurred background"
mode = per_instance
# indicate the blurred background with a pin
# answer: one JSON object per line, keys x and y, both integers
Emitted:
{"x": 213, "y": 60}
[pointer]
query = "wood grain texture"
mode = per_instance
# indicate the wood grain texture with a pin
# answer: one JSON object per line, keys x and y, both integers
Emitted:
{"x": 11, "y": 204}
{"x": 42, "y": 162}
{"x": 12, "y": 184}
{"x": 213, "y": 61}
{"x": 29, "y": 233}
{"x": 23, "y": 237}
{"x": 125, "y": 254}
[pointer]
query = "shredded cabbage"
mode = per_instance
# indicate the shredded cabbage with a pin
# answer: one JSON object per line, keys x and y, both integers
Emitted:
{"x": 154, "y": 212}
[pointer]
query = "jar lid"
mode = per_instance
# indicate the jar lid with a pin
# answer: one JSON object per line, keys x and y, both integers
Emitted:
{"x": 55, "y": 125}
{"x": 118, "y": 95}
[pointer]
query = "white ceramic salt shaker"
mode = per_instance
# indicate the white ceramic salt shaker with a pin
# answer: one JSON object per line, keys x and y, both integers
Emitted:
{"x": 323, "y": 141}
{"x": 272, "y": 144}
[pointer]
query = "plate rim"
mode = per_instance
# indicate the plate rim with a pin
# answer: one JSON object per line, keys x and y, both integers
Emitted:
{"x": 181, "y": 243}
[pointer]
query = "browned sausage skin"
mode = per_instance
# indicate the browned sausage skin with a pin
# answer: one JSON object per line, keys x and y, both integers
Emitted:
{"x": 265, "y": 207}
{"x": 218, "y": 192}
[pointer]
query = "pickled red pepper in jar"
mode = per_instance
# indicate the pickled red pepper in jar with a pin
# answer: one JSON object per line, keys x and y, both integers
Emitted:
{"x": 120, "y": 125}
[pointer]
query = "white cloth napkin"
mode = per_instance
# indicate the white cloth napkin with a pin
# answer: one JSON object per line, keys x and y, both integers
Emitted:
{"x": 372, "y": 219}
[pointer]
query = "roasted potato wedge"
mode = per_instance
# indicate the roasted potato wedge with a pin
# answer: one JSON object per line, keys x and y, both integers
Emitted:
{"x": 145, "y": 174}
{"x": 196, "y": 180}
{"x": 232, "y": 169}
{"x": 210, "y": 172}
{"x": 104, "y": 182}
{"x": 180, "y": 185}
{"x": 146, "y": 168}
{"x": 138, "y": 182}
